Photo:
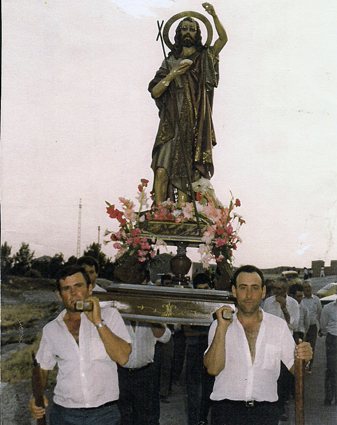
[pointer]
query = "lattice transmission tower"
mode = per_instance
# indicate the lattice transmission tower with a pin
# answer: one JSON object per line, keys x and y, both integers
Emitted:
{"x": 78, "y": 251}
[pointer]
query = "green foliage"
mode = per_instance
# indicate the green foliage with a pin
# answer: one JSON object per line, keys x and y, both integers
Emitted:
{"x": 6, "y": 259}
{"x": 22, "y": 260}
{"x": 55, "y": 264}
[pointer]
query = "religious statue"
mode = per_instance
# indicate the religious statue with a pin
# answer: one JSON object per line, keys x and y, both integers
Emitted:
{"x": 183, "y": 91}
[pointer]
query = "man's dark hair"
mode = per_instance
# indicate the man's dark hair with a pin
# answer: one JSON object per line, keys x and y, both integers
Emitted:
{"x": 178, "y": 41}
{"x": 69, "y": 271}
{"x": 247, "y": 269}
{"x": 201, "y": 279}
{"x": 89, "y": 261}
{"x": 297, "y": 287}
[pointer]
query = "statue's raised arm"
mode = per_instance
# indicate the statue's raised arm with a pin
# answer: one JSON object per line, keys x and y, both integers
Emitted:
{"x": 183, "y": 90}
{"x": 222, "y": 40}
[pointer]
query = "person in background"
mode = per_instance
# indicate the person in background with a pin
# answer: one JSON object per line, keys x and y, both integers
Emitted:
{"x": 136, "y": 377}
{"x": 285, "y": 307}
{"x": 296, "y": 292}
{"x": 305, "y": 273}
{"x": 328, "y": 325}
{"x": 244, "y": 355}
{"x": 199, "y": 383}
{"x": 91, "y": 266}
{"x": 313, "y": 304}
{"x": 86, "y": 346}
{"x": 269, "y": 283}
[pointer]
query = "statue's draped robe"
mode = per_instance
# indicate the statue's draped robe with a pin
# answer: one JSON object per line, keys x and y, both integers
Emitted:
{"x": 193, "y": 94}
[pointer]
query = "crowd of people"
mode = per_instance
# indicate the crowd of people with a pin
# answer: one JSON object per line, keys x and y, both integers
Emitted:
{"x": 237, "y": 371}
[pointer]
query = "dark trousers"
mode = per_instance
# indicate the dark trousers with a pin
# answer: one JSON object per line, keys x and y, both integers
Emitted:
{"x": 155, "y": 399}
{"x": 284, "y": 385}
{"x": 135, "y": 394}
{"x": 331, "y": 367}
{"x": 199, "y": 384}
{"x": 228, "y": 412}
{"x": 107, "y": 414}
{"x": 311, "y": 338}
{"x": 179, "y": 341}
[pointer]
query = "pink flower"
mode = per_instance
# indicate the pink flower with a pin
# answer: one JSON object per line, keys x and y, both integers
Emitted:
{"x": 135, "y": 232}
{"x": 212, "y": 212}
{"x": 187, "y": 211}
{"x": 145, "y": 245}
{"x": 136, "y": 242}
{"x": 130, "y": 215}
{"x": 220, "y": 242}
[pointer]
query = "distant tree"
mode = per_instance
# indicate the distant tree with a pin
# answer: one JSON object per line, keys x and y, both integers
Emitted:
{"x": 106, "y": 266}
{"x": 6, "y": 259}
{"x": 22, "y": 260}
{"x": 71, "y": 260}
{"x": 42, "y": 265}
{"x": 55, "y": 264}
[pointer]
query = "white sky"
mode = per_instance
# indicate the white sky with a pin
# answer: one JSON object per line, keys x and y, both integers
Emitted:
{"x": 78, "y": 122}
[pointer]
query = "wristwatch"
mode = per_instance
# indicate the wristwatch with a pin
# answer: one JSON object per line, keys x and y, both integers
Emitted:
{"x": 100, "y": 325}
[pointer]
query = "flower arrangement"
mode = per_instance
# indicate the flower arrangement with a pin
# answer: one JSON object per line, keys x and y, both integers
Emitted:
{"x": 222, "y": 224}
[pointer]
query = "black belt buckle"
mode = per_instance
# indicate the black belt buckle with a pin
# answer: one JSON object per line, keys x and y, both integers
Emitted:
{"x": 250, "y": 403}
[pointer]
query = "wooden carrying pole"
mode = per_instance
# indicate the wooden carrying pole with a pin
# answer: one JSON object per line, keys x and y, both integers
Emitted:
{"x": 37, "y": 389}
{"x": 299, "y": 392}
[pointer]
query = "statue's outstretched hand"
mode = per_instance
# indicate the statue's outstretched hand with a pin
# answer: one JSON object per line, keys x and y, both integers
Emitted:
{"x": 181, "y": 68}
{"x": 209, "y": 8}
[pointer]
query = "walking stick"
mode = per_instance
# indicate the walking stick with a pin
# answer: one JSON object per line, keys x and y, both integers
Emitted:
{"x": 37, "y": 389}
{"x": 299, "y": 392}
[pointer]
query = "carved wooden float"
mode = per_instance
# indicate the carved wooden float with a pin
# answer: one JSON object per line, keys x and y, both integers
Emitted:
{"x": 161, "y": 304}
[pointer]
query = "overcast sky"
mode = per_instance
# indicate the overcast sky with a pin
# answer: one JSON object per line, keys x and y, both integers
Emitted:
{"x": 78, "y": 122}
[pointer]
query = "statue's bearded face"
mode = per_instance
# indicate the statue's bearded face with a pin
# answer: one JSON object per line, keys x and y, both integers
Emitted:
{"x": 188, "y": 33}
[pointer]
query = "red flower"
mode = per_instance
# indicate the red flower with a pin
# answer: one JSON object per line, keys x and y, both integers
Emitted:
{"x": 198, "y": 196}
{"x": 237, "y": 202}
{"x": 144, "y": 182}
{"x": 140, "y": 188}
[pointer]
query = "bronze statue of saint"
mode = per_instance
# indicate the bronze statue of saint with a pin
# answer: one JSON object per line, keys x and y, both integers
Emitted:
{"x": 183, "y": 91}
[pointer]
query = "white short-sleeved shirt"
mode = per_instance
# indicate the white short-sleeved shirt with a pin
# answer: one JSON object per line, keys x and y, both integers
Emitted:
{"x": 143, "y": 343}
{"x": 273, "y": 307}
{"x": 242, "y": 380}
{"x": 87, "y": 377}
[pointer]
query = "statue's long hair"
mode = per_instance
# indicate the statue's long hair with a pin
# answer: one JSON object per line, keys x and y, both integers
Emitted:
{"x": 178, "y": 41}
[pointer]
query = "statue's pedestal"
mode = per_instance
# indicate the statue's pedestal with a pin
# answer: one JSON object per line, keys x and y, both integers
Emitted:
{"x": 183, "y": 235}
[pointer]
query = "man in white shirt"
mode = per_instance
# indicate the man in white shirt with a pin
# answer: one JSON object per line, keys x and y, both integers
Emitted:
{"x": 313, "y": 304}
{"x": 91, "y": 266}
{"x": 244, "y": 354}
{"x": 285, "y": 307}
{"x": 86, "y": 346}
{"x": 282, "y": 306}
{"x": 329, "y": 328}
{"x": 296, "y": 292}
{"x": 136, "y": 377}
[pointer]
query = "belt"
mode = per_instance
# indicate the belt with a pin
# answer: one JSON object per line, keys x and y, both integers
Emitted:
{"x": 109, "y": 403}
{"x": 248, "y": 403}
{"x": 135, "y": 369}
